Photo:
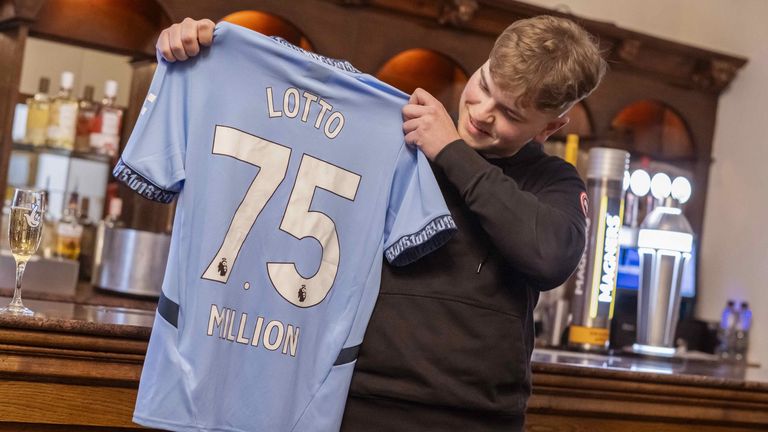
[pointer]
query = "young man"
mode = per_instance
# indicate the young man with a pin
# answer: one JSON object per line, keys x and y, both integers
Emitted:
{"x": 449, "y": 344}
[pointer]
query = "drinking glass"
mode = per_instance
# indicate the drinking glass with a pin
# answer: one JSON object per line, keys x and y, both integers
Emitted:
{"x": 24, "y": 234}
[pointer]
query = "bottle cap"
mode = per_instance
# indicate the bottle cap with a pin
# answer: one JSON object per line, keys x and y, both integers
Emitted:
{"x": 110, "y": 88}
{"x": 607, "y": 163}
{"x": 45, "y": 85}
{"x": 67, "y": 79}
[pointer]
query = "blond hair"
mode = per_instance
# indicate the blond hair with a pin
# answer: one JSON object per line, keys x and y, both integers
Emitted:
{"x": 550, "y": 62}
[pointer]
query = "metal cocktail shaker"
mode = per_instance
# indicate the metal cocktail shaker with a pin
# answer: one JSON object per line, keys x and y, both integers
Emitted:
{"x": 664, "y": 244}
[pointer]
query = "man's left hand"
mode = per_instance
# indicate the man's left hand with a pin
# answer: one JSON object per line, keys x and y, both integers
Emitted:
{"x": 427, "y": 124}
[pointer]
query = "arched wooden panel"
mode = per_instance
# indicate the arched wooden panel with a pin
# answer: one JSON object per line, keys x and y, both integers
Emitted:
{"x": 123, "y": 26}
{"x": 270, "y": 25}
{"x": 435, "y": 72}
{"x": 653, "y": 128}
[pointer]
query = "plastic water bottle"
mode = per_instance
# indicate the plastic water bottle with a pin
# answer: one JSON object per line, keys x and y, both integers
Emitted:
{"x": 741, "y": 334}
{"x": 726, "y": 347}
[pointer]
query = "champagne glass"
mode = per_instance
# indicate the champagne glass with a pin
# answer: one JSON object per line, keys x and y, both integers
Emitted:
{"x": 24, "y": 234}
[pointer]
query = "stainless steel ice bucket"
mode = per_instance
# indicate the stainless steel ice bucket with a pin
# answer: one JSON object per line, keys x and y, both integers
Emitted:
{"x": 130, "y": 261}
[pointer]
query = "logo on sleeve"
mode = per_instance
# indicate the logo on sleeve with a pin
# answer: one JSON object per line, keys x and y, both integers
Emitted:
{"x": 584, "y": 203}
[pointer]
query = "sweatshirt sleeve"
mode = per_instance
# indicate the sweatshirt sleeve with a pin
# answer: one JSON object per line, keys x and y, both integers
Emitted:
{"x": 542, "y": 234}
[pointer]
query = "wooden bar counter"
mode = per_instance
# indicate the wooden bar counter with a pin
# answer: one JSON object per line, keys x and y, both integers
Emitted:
{"x": 575, "y": 392}
{"x": 77, "y": 366}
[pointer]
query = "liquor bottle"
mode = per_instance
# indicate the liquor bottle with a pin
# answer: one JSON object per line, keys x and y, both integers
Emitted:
{"x": 63, "y": 120}
{"x": 86, "y": 112}
{"x": 112, "y": 220}
{"x": 572, "y": 149}
{"x": 105, "y": 135}
{"x": 48, "y": 244}
{"x": 88, "y": 240}
{"x": 69, "y": 231}
{"x": 38, "y": 112}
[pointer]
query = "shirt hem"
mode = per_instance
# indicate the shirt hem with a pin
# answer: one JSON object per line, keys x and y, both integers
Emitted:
{"x": 179, "y": 427}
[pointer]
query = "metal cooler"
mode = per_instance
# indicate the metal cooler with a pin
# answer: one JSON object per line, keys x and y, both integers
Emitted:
{"x": 130, "y": 261}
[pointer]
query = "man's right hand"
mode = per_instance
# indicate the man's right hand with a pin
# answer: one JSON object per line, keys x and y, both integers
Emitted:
{"x": 183, "y": 40}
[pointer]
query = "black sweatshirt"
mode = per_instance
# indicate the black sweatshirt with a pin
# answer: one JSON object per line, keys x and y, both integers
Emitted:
{"x": 454, "y": 330}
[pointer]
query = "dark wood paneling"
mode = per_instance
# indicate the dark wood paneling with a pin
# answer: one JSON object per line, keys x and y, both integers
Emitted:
{"x": 19, "y": 10}
{"x": 12, "y": 42}
{"x": 579, "y": 423}
{"x": 59, "y": 381}
{"x": 597, "y": 399}
{"x": 122, "y": 26}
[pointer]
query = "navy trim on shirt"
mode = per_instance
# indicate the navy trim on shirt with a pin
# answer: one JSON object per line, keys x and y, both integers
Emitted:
{"x": 168, "y": 309}
{"x": 409, "y": 248}
{"x": 140, "y": 184}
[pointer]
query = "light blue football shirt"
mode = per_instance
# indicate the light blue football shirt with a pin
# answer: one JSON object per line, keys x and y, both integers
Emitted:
{"x": 293, "y": 180}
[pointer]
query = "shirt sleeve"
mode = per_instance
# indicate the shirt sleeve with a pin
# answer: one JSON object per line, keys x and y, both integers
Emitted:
{"x": 541, "y": 234}
{"x": 418, "y": 220}
{"x": 152, "y": 163}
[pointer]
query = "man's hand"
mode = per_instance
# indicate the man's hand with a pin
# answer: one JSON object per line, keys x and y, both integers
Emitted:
{"x": 427, "y": 124}
{"x": 183, "y": 40}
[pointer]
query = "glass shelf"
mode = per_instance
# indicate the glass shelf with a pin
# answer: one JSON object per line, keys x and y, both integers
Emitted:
{"x": 22, "y": 146}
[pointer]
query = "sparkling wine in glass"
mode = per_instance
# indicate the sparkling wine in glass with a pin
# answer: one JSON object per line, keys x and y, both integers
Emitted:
{"x": 24, "y": 234}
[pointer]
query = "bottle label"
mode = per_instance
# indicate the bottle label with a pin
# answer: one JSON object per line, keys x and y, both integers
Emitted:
{"x": 69, "y": 230}
{"x": 588, "y": 335}
{"x": 96, "y": 141}
{"x": 85, "y": 122}
{"x": 606, "y": 253}
{"x": 104, "y": 143}
{"x": 110, "y": 123}
{"x": 63, "y": 127}
{"x": 37, "y": 123}
{"x": 53, "y": 132}
{"x": 67, "y": 121}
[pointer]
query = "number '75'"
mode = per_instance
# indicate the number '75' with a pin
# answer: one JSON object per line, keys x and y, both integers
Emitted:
{"x": 298, "y": 221}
